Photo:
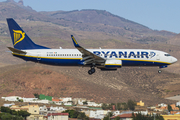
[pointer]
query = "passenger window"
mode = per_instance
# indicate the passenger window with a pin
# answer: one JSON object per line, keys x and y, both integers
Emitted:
{"x": 167, "y": 54}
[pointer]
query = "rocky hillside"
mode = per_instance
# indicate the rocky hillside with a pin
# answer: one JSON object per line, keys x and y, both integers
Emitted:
{"x": 103, "y": 21}
{"x": 87, "y": 20}
{"x": 175, "y": 40}
{"x": 138, "y": 84}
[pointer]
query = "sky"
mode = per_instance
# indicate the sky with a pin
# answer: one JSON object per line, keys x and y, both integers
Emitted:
{"x": 155, "y": 14}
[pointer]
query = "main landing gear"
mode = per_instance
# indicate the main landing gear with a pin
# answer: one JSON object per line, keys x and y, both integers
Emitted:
{"x": 91, "y": 71}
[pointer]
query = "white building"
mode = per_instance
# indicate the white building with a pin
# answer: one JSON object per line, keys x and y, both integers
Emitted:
{"x": 57, "y": 109}
{"x": 162, "y": 105}
{"x": 43, "y": 110}
{"x": 40, "y": 101}
{"x": 98, "y": 114}
{"x": 57, "y": 116}
{"x": 11, "y": 98}
{"x": 178, "y": 113}
{"x": 142, "y": 112}
{"x": 65, "y": 101}
{"x": 115, "y": 113}
{"x": 8, "y": 105}
{"x": 58, "y": 102}
{"x": 178, "y": 103}
{"x": 79, "y": 101}
{"x": 29, "y": 99}
{"x": 93, "y": 104}
{"x": 16, "y": 98}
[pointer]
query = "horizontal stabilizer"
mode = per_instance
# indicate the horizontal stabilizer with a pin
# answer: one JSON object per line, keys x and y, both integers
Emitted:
{"x": 16, "y": 50}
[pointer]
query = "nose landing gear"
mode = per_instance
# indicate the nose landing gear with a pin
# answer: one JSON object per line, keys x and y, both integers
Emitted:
{"x": 91, "y": 71}
{"x": 159, "y": 71}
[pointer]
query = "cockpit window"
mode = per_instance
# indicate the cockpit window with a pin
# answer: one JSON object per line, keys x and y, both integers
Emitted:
{"x": 167, "y": 54}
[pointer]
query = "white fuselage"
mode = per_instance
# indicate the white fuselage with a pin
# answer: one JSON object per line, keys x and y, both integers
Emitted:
{"x": 129, "y": 57}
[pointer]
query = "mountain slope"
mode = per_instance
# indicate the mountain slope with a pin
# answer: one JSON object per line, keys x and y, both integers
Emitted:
{"x": 27, "y": 79}
{"x": 101, "y": 20}
{"x": 87, "y": 20}
{"x": 97, "y": 16}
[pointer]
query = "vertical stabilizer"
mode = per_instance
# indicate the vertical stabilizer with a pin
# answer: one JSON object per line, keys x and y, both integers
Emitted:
{"x": 19, "y": 38}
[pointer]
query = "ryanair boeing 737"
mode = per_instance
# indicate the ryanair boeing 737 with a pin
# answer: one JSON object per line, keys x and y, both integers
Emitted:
{"x": 104, "y": 59}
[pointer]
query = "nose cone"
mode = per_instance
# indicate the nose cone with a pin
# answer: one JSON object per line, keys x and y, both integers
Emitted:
{"x": 174, "y": 60}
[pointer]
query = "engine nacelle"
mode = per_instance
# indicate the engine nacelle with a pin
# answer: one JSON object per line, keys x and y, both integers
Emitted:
{"x": 113, "y": 64}
{"x": 163, "y": 66}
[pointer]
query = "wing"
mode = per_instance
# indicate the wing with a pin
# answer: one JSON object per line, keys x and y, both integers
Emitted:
{"x": 88, "y": 57}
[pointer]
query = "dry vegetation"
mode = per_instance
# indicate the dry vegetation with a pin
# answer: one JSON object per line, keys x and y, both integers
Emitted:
{"x": 139, "y": 84}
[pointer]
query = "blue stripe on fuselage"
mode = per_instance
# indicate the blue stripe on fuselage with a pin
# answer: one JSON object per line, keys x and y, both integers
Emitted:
{"x": 62, "y": 62}
{"x": 142, "y": 63}
{"x": 78, "y": 62}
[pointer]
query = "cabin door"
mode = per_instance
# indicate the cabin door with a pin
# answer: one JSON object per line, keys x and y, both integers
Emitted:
{"x": 158, "y": 56}
{"x": 39, "y": 56}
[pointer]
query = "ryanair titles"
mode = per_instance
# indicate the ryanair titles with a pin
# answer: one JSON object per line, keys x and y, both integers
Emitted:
{"x": 125, "y": 54}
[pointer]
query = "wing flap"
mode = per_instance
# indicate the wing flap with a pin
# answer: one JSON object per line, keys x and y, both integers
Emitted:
{"x": 87, "y": 57}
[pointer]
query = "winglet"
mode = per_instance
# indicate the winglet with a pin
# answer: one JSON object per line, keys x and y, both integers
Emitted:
{"x": 75, "y": 42}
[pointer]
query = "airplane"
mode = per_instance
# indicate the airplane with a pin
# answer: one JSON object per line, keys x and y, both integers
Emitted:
{"x": 104, "y": 59}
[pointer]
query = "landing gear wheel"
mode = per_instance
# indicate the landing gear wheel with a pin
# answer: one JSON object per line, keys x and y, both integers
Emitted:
{"x": 159, "y": 71}
{"x": 91, "y": 71}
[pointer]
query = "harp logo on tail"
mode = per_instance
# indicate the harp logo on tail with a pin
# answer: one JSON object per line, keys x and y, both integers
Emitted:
{"x": 18, "y": 36}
